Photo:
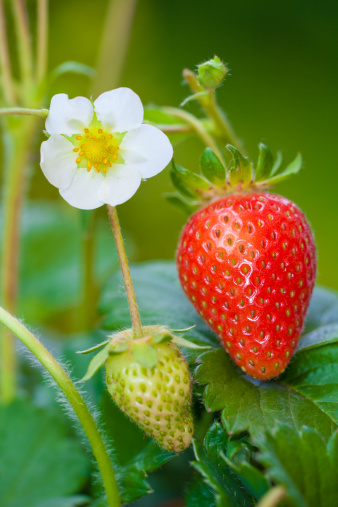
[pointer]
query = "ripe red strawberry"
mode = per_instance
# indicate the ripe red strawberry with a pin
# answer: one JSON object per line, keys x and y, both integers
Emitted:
{"x": 247, "y": 262}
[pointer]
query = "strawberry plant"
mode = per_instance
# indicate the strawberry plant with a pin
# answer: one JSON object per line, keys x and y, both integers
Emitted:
{"x": 209, "y": 381}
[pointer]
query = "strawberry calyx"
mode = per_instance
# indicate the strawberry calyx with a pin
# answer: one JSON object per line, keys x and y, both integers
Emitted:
{"x": 217, "y": 180}
{"x": 142, "y": 349}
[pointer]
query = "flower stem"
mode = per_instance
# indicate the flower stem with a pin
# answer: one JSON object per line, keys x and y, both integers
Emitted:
{"x": 42, "y": 40}
{"x": 134, "y": 312}
{"x": 114, "y": 44}
{"x": 272, "y": 497}
{"x": 197, "y": 126}
{"x": 75, "y": 399}
{"x": 5, "y": 65}
{"x": 89, "y": 288}
{"x": 208, "y": 102}
{"x": 23, "y": 111}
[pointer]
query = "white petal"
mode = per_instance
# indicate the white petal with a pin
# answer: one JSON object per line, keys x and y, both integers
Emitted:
{"x": 58, "y": 161}
{"x": 147, "y": 149}
{"x": 120, "y": 184}
{"x": 119, "y": 109}
{"x": 83, "y": 191}
{"x": 68, "y": 116}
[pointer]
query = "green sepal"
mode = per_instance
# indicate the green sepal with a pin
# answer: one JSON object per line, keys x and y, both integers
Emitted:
{"x": 277, "y": 163}
{"x": 188, "y": 207}
{"x": 292, "y": 168}
{"x": 96, "y": 363}
{"x": 189, "y": 345}
{"x": 92, "y": 349}
{"x": 183, "y": 330}
{"x": 242, "y": 171}
{"x": 212, "y": 168}
{"x": 264, "y": 164}
{"x": 144, "y": 353}
{"x": 194, "y": 96}
{"x": 188, "y": 183}
{"x": 117, "y": 348}
{"x": 162, "y": 338}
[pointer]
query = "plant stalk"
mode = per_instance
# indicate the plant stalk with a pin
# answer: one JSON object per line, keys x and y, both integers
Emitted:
{"x": 197, "y": 126}
{"x": 114, "y": 44}
{"x": 75, "y": 399}
{"x": 24, "y": 42}
{"x": 13, "y": 194}
{"x": 134, "y": 311}
{"x": 5, "y": 65}
{"x": 42, "y": 40}
{"x": 23, "y": 111}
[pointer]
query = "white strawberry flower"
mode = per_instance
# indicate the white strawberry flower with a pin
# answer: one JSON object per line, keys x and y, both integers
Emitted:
{"x": 98, "y": 152}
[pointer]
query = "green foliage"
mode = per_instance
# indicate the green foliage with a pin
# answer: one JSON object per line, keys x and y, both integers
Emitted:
{"x": 40, "y": 464}
{"x": 176, "y": 129}
{"x": 225, "y": 483}
{"x": 303, "y": 464}
{"x": 51, "y": 260}
{"x": 212, "y": 168}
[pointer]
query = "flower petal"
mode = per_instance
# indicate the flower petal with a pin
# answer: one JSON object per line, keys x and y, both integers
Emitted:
{"x": 83, "y": 191}
{"x": 58, "y": 161}
{"x": 120, "y": 109}
{"x": 147, "y": 149}
{"x": 120, "y": 184}
{"x": 68, "y": 116}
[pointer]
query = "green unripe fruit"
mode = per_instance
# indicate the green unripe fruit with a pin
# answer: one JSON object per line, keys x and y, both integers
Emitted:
{"x": 210, "y": 74}
{"x": 158, "y": 399}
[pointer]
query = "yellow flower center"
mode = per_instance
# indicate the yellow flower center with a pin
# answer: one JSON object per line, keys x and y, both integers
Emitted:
{"x": 97, "y": 148}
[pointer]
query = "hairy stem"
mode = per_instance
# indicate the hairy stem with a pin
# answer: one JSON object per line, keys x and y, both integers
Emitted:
{"x": 5, "y": 65}
{"x": 197, "y": 126}
{"x": 23, "y": 111}
{"x": 134, "y": 312}
{"x": 114, "y": 44}
{"x": 42, "y": 40}
{"x": 272, "y": 497}
{"x": 75, "y": 399}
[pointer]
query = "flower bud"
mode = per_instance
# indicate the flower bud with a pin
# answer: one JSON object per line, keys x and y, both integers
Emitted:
{"x": 211, "y": 73}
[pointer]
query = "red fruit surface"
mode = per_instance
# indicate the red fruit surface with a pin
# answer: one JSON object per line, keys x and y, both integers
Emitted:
{"x": 247, "y": 262}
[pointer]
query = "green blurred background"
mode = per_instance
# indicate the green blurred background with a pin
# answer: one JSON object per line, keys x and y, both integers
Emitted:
{"x": 282, "y": 90}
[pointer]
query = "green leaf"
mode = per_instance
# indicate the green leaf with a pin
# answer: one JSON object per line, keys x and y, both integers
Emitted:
{"x": 73, "y": 68}
{"x": 96, "y": 363}
{"x": 323, "y": 309}
{"x": 226, "y": 486}
{"x": 303, "y": 464}
{"x": 241, "y": 170}
{"x": 39, "y": 460}
{"x": 145, "y": 354}
{"x": 188, "y": 183}
{"x": 188, "y": 207}
{"x": 264, "y": 164}
{"x": 212, "y": 168}
{"x": 176, "y": 129}
{"x": 70, "y": 501}
{"x": 293, "y": 168}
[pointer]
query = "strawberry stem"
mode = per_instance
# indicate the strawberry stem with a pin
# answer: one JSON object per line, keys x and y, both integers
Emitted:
{"x": 75, "y": 399}
{"x": 272, "y": 497}
{"x": 133, "y": 308}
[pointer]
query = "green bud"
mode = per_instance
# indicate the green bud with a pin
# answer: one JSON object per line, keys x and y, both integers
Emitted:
{"x": 211, "y": 73}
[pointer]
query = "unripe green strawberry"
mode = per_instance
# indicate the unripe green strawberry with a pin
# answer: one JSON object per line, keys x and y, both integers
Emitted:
{"x": 158, "y": 399}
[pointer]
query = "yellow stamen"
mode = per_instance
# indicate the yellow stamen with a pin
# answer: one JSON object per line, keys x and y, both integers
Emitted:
{"x": 104, "y": 169}
{"x": 100, "y": 131}
{"x": 86, "y": 131}
{"x": 110, "y": 136}
{"x": 96, "y": 165}
{"x": 116, "y": 148}
{"x": 97, "y": 169}
{"x": 78, "y": 138}
{"x": 115, "y": 157}
{"x": 76, "y": 149}
{"x": 81, "y": 153}
{"x": 89, "y": 166}
{"x": 78, "y": 160}
{"x": 103, "y": 137}
{"x": 109, "y": 164}
{"x": 88, "y": 137}
{"x": 105, "y": 161}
